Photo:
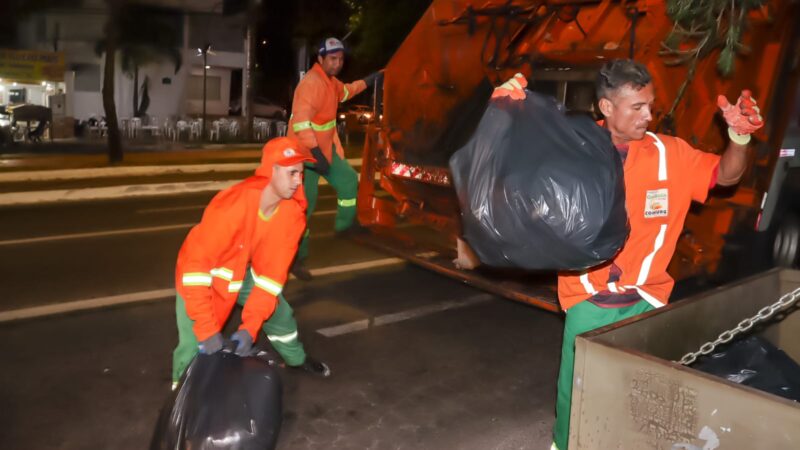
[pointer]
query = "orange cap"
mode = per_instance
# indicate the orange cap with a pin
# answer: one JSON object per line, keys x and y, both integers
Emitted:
{"x": 283, "y": 151}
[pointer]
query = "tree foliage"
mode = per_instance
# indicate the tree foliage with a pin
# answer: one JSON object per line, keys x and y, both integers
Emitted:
{"x": 702, "y": 26}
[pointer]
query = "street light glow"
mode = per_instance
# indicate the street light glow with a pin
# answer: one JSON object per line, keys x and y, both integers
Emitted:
{"x": 208, "y": 67}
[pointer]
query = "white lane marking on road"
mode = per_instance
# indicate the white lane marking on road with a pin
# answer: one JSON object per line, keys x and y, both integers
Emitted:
{"x": 130, "y": 171}
{"x": 64, "y": 237}
{"x": 113, "y": 192}
{"x": 338, "y": 330}
{"x": 138, "y": 297}
{"x": 361, "y": 325}
{"x": 80, "y": 305}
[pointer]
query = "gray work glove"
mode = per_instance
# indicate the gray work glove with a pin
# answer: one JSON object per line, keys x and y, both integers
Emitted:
{"x": 322, "y": 166}
{"x": 211, "y": 345}
{"x": 244, "y": 343}
{"x": 372, "y": 78}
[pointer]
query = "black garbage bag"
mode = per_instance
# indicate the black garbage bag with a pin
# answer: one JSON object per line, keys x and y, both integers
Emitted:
{"x": 755, "y": 362}
{"x": 223, "y": 402}
{"x": 540, "y": 189}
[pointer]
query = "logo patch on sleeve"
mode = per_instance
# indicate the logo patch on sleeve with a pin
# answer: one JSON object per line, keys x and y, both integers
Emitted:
{"x": 656, "y": 204}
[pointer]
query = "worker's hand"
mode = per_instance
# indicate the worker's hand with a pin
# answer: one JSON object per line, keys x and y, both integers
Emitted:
{"x": 211, "y": 345}
{"x": 466, "y": 258}
{"x": 372, "y": 78}
{"x": 743, "y": 118}
{"x": 514, "y": 88}
{"x": 244, "y": 343}
{"x": 322, "y": 166}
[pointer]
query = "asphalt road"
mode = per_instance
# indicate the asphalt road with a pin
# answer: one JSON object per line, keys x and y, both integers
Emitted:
{"x": 419, "y": 360}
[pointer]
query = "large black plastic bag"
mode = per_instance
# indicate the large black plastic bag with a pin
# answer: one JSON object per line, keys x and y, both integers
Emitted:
{"x": 755, "y": 362}
{"x": 223, "y": 402}
{"x": 539, "y": 189}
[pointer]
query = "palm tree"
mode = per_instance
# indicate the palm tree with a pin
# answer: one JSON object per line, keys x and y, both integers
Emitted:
{"x": 142, "y": 35}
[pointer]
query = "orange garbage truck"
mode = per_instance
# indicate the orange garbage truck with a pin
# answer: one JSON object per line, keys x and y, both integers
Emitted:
{"x": 437, "y": 85}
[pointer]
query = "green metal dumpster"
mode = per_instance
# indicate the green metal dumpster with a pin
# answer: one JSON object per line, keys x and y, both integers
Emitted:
{"x": 628, "y": 394}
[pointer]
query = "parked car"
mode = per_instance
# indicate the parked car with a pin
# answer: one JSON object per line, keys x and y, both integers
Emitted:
{"x": 262, "y": 107}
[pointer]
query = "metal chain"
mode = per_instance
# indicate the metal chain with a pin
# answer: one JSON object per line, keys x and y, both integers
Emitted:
{"x": 764, "y": 313}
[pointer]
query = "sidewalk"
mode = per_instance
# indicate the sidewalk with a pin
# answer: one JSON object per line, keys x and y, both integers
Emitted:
{"x": 58, "y": 161}
{"x": 84, "y": 173}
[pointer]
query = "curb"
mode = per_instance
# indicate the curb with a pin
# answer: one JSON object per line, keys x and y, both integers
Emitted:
{"x": 109, "y": 172}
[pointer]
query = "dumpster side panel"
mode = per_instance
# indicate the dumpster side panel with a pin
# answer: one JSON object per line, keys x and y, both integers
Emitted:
{"x": 622, "y": 400}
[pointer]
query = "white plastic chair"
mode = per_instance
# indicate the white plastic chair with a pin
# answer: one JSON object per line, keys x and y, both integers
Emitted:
{"x": 214, "y": 134}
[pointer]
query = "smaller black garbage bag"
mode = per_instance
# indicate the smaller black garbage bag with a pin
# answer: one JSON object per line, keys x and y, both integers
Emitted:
{"x": 223, "y": 402}
{"x": 755, "y": 362}
{"x": 540, "y": 189}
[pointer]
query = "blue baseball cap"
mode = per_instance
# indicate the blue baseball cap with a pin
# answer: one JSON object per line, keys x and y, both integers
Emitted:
{"x": 330, "y": 45}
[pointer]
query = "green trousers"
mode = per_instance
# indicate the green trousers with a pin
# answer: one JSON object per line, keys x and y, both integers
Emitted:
{"x": 583, "y": 317}
{"x": 281, "y": 330}
{"x": 345, "y": 182}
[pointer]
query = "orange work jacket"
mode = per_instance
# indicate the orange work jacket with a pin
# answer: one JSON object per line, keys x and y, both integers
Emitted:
{"x": 316, "y": 99}
{"x": 232, "y": 236}
{"x": 663, "y": 175}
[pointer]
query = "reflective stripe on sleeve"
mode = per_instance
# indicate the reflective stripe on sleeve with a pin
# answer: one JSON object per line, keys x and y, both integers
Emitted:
{"x": 654, "y": 302}
{"x": 286, "y": 338}
{"x": 222, "y": 272}
{"x": 323, "y": 127}
{"x": 300, "y": 126}
{"x": 196, "y": 279}
{"x": 346, "y": 202}
{"x": 587, "y": 285}
{"x": 267, "y": 284}
{"x": 234, "y": 286}
{"x": 346, "y": 95}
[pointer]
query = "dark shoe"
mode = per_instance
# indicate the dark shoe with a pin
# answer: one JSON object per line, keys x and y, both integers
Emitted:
{"x": 300, "y": 271}
{"x": 314, "y": 367}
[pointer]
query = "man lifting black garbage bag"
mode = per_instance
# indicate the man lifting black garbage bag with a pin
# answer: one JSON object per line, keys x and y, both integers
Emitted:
{"x": 540, "y": 189}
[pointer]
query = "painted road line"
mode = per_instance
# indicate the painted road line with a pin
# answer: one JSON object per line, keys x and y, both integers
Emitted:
{"x": 64, "y": 237}
{"x": 111, "y": 192}
{"x": 82, "y": 305}
{"x": 386, "y": 319}
{"x": 372, "y": 264}
{"x": 168, "y": 294}
{"x": 93, "y": 234}
{"x": 114, "y": 192}
{"x": 132, "y": 171}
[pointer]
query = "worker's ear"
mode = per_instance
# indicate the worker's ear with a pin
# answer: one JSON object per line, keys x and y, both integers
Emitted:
{"x": 606, "y": 107}
{"x": 319, "y": 59}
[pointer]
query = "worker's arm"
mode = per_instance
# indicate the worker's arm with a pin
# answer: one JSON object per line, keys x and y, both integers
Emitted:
{"x": 346, "y": 91}
{"x": 209, "y": 239}
{"x": 270, "y": 269}
{"x": 743, "y": 119}
{"x": 305, "y": 107}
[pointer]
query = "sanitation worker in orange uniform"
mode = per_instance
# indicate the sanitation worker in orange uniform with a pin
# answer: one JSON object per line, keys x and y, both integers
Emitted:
{"x": 313, "y": 123}
{"x": 663, "y": 176}
{"x": 240, "y": 252}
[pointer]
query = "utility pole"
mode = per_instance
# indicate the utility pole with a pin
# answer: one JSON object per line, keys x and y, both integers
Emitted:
{"x": 249, "y": 52}
{"x": 204, "y": 51}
